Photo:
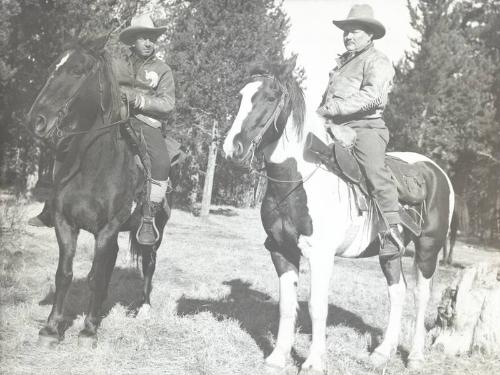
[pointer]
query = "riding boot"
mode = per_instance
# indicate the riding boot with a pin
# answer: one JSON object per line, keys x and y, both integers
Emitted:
{"x": 44, "y": 218}
{"x": 391, "y": 242}
{"x": 148, "y": 234}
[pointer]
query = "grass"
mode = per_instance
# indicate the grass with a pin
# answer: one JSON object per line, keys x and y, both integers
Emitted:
{"x": 214, "y": 306}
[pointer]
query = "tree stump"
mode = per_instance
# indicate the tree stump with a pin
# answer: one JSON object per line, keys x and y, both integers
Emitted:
{"x": 468, "y": 317}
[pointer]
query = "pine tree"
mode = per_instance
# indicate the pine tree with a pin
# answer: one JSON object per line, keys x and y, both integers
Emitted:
{"x": 212, "y": 46}
{"x": 444, "y": 101}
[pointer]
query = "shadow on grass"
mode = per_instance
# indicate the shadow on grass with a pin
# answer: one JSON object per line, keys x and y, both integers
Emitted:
{"x": 258, "y": 314}
{"x": 125, "y": 288}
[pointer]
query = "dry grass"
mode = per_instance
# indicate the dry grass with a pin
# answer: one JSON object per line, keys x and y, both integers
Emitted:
{"x": 214, "y": 306}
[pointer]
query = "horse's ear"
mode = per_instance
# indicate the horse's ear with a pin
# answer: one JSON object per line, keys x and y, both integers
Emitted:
{"x": 257, "y": 70}
{"x": 96, "y": 45}
{"x": 289, "y": 67}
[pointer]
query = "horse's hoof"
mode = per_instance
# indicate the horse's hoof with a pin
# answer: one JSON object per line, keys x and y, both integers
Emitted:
{"x": 87, "y": 339}
{"x": 271, "y": 369}
{"x": 378, "y": 359}
{"x": 48, "y": 339}
{"x": 311, "y": 371}
{"x": 415, "y": 364}
{"x": 144, "y": 312}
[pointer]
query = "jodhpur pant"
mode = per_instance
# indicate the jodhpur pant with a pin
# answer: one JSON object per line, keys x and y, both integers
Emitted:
{"x": 369, "y": 151}
{"x": 156, "y": 149}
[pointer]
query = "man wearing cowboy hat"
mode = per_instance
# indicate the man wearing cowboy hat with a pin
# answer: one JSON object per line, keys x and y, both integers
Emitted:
{"x": 147, "y": 85}
{"x": 355, "y": 97}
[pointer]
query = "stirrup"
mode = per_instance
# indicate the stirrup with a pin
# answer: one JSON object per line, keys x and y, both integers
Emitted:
{"x": 145, "y": 223}
{"x": 391, "y": 238}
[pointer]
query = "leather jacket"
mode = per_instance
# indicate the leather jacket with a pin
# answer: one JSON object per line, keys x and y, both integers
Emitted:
{"x": 358, "y": 86}
{"x": 150, "y": 80}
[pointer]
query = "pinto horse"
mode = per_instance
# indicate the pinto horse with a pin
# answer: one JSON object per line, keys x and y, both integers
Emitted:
{"x": 309, "y": 211}
{"x": 78, "y": 109}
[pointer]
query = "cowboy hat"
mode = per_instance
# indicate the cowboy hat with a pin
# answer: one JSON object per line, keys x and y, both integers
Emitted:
{"x": 139, "y": 26}
{"x": 361, "y": 15}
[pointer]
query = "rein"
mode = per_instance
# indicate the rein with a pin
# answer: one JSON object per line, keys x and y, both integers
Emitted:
{"x": 270, "y": 121}
{"x": 63, "y": 112}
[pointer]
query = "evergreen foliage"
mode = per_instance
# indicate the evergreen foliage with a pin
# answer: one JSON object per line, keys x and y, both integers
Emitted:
{"x": 445, "y": 100}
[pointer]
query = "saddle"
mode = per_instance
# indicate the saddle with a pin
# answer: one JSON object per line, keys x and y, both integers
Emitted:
{"x": 408, "y": 178}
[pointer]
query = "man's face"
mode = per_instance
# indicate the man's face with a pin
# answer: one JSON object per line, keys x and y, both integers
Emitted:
{"x": 144, "y": 46}
{"x": 356, "y": 38}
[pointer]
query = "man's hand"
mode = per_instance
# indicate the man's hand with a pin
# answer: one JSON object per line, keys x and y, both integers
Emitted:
{"x": 135, "y": 100}
{"x": 323, "y": 111}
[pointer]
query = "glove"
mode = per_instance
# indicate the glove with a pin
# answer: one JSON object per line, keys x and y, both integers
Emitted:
{"x": 135, "y": 100}
{"x": 326, "y": 112}
{"x": 345, "y": 135}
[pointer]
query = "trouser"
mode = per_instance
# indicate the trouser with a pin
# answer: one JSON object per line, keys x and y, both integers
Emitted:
{"x": 156, "y": 149}
{"x": 369, "y": 151}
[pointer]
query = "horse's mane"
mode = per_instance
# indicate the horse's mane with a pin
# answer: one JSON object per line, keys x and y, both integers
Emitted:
{"x": 115, "y": 98}
{"x": 285, "y": 77}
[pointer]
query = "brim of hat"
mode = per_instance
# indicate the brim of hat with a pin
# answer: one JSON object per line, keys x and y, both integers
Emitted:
{"x": 130, "y": 35}
{"x": 375, "y": 26}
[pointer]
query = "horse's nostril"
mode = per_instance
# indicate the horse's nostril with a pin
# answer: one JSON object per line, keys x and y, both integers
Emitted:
{"x": 40, "y": 123}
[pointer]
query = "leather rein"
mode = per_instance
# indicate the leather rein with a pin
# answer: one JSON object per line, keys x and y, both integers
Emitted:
{"x": 62, "y": 113}
{"x": 272, "y": 120}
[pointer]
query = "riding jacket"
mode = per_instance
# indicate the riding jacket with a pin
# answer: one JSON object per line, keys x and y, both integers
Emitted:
{"x": 358, "y": 86}
{"x": 152, "y": 82}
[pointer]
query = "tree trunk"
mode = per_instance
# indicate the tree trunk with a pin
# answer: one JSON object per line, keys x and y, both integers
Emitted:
{"x": 209, "y": 176}
{"x": 468, "y": 314}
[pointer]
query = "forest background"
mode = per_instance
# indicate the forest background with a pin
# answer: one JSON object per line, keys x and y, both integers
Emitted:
{"x": 445, "y": 102}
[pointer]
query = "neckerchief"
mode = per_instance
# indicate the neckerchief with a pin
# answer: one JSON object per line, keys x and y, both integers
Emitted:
{"x": 349, "y": 55}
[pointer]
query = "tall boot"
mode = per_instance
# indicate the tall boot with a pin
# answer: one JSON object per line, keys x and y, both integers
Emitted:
{"x": 391, "y": 242}
{"x": 148, "y": 234}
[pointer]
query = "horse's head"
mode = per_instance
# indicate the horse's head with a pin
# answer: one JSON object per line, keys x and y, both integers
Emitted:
{"x": 266, "y": 103}
{"x": 66, "y": 90}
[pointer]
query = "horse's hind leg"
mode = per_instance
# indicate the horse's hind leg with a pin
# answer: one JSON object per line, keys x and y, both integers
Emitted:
{"x": 149, "y": 265}
{"x": 425, "y": 266}
{"x": 53, "y": 331}
{"x": 106, "y": 250}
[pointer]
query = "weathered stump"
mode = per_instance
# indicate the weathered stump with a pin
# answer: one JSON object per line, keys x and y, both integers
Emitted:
{"x": 469, "y": 313}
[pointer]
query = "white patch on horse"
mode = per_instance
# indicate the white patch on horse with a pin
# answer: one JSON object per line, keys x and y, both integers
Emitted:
{"x": 63, "y": 60}
{"x": 246, "y": 107}
{"x": 413, "y": 157}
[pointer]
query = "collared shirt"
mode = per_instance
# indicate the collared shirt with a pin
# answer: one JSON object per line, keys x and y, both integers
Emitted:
{"x": 358, "y": 86}
{"x": 152, "y": 81}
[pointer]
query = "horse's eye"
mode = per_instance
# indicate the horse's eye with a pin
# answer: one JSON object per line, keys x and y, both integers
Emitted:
{"x": 77, "y": 71}
{"x": 271, "y": 99}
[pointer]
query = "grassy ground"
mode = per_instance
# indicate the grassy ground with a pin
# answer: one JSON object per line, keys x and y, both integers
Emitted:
{"x": 214, "y": 305}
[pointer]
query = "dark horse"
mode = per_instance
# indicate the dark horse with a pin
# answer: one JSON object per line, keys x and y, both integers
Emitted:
{"x": 79, "y": 109}
{"x": 309, "y": 211}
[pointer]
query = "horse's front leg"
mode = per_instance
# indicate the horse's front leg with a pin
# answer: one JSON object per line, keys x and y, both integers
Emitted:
{"x": 288, "y": 272}
{"x": 397, "y": 290}
{"x": 106, "y": 250}
{"x": 321, "y": 266}
{"x": 54, "y": 329}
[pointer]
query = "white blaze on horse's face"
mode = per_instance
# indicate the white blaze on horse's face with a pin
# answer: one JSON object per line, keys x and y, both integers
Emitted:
{"x": 246, "y": 107}
{"x": 63, "y": 60}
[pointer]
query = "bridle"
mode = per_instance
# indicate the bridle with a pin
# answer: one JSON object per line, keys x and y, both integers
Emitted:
{"x": 254, "y": 144}
{"x": 58, "y": 132}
